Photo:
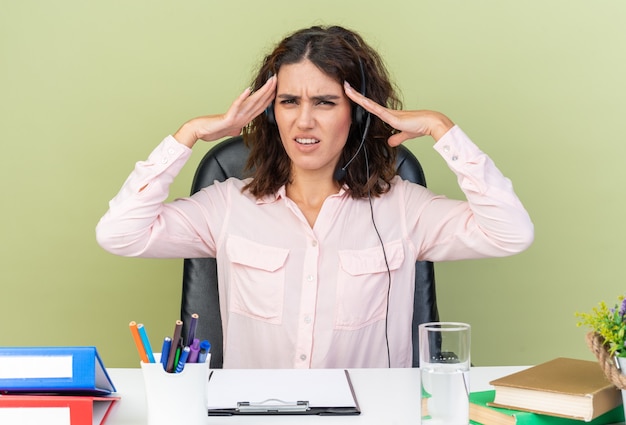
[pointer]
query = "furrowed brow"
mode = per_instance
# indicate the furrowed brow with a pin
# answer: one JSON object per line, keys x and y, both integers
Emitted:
{"x": 323, "y": 97}
{"x": 287, "y": 96}
{"x": 326, "y": 97}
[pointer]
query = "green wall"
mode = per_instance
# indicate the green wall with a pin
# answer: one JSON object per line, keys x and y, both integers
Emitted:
{"x": 89, "y": 87}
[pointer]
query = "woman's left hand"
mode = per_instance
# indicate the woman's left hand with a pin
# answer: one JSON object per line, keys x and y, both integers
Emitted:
{"x": 410, "y": 124}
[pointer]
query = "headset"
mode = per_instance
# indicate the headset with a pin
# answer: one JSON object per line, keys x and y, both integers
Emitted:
{"x": 359, "y": 116}
{"x": 362, "y": 119}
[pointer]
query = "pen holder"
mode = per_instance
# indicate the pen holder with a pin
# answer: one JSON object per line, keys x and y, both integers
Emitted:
{"x": 174, "y": 398}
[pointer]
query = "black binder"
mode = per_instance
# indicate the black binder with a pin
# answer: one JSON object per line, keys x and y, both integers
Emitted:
{"x": 281, "y": 392}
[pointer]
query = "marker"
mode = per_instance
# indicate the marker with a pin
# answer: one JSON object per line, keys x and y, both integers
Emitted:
{"x": 177, "y": 357}
{"x": 165, "y": 351}
{"x": 195, "y": 351}
{"x": 175, "y": 343}
{"x": 192, "y": 329}
{"x": 205, "y": 347}
{"x": 140, "y": 348}
{"x": 146, "y": 342}
{"x": 183, "y": 359}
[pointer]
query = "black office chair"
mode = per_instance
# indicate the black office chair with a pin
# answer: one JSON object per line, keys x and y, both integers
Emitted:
{"x": 200, "y": 293}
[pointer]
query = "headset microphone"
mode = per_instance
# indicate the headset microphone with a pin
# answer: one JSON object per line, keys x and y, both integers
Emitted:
{"x": 340, "y": 173}
{"x": 360, "y": 115}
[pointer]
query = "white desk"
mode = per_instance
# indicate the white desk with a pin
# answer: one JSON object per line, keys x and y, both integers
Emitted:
{"x": 386, "y": 396}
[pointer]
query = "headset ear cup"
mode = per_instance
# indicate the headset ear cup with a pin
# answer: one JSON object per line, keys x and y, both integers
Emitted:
{"x": 269, "y": 113}
{"x": 359, "y": 116}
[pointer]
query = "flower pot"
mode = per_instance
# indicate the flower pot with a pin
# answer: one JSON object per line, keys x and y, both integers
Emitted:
{"x": 608, "y": 364}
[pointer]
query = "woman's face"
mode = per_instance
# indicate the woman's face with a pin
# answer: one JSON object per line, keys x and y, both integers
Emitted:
{"x": 313, "y": 116}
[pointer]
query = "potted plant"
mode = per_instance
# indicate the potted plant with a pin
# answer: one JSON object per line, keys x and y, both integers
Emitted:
{"x": 607, "y": 340}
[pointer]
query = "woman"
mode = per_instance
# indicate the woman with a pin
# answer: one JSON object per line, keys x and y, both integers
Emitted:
{"x": 316, "y": 251}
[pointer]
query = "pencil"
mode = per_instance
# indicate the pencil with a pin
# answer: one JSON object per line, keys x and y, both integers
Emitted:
{"x": 175, "y": 341}
{"x": 192, "y": 329}
{"x": 137, "y": 338}
{"x": 146, "y": 342}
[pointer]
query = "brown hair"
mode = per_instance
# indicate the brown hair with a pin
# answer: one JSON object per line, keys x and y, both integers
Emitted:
{"x": 339, "y": 53}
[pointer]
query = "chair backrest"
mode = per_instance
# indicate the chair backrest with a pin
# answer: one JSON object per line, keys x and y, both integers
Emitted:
{"x": 200, "y": 291}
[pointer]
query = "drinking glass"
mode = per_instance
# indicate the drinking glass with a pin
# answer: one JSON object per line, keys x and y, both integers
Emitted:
{"x": 444, "y": 371}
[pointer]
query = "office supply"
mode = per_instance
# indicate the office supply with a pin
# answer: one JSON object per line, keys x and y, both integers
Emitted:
{"x": 176, "y": 398}
{"x": 174, "y": 348}
{"x": 53, "y": 369}
{"x": 195, "y": 351}
{"x": 55, "y": 409}
{"x": 183, "y": 359}
{"x": 205, "y": 348}
{"x": 176, "y": 357}
{"x": 282, "y": 391}
{"x": 146, "y": 342}
{"x": 134, "y": 331}
{"x": 482, "y": 413}
{"x": 563, "y": 387}
{"x": 165, "y": 351}
{"x": 192, "y": 329}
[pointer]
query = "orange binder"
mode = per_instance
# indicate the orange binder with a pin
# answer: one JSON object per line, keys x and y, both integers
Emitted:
{"x": 55, "y": 409}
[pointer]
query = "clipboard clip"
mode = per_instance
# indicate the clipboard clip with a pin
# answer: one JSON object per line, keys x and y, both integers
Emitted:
{"x": 272, "y": 405}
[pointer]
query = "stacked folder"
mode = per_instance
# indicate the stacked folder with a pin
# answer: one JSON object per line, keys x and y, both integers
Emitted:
{"x": 54, "y": 385}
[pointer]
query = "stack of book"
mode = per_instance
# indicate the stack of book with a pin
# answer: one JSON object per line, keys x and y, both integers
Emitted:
{"x": 562, "y": 391}
{"x": 54, "y": 385}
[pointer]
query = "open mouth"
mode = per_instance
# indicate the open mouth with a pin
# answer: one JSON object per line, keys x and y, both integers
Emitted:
{"x": 307, "y": 141}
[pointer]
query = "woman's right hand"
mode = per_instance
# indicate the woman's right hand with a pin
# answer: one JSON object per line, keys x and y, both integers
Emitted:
{"x": 243, "y": 110}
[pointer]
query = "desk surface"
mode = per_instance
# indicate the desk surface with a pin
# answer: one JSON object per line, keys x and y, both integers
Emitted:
{"x": 389, "y": 396}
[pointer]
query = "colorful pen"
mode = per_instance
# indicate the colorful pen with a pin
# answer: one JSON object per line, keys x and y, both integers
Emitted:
{"x": 175, "y": 343}
{"x": 195, "y": 351}
{"x": 205, "y": 347}
{"x": 192, "y": 329}
{"x": 183, "y": 359}
{"x": 165, "y": 351}
{"x": 140, "y": 348}
{"x": 146, "y": 342}
{"x": 179, "y": 349}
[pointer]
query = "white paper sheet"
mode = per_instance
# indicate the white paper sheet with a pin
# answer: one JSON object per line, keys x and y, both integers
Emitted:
{"x": 318, "y": 387}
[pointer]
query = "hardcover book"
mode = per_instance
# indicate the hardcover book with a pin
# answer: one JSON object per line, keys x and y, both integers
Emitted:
{"x": 563, "y": 387}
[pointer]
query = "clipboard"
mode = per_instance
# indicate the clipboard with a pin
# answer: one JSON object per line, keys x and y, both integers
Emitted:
{"x": 281, "y": 392}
